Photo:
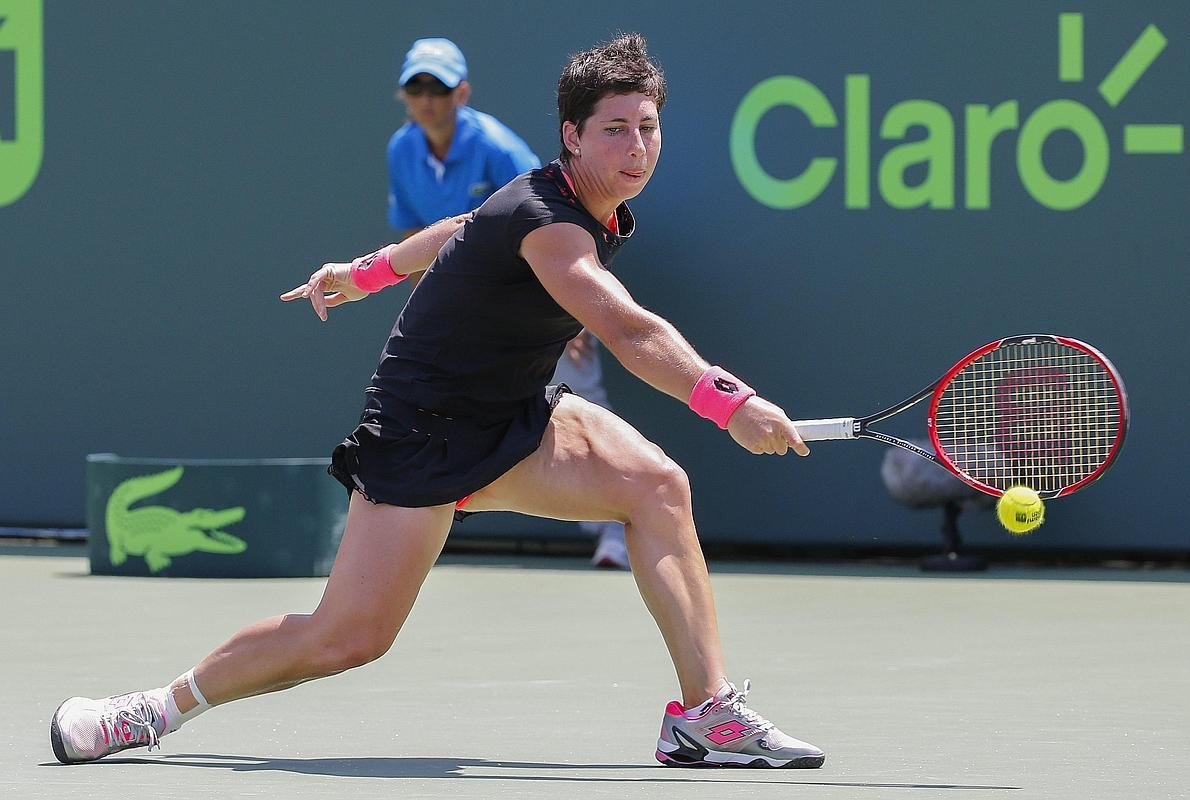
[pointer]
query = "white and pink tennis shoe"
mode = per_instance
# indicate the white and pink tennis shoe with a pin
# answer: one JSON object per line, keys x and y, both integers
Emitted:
{"x": 724, "y": 732}
{"x": 85, "y": 730}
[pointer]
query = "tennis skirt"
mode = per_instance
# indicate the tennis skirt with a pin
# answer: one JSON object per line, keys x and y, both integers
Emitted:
{"x": 411, "y": 457}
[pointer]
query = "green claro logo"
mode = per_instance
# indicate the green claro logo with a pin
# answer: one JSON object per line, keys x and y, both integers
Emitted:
{"x": 937, "y": 150}
{"x": 21, "y": 97}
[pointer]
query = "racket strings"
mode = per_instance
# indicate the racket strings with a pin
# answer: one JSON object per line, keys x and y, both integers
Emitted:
{"x": 1041, "y": 414}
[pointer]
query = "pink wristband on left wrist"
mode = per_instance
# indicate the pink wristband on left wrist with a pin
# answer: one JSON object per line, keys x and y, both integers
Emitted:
{"x": 718, "y": 394}
{"x": 373, "y": 272}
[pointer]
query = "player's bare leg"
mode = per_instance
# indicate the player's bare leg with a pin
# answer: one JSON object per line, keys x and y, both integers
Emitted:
{"x": 593, "y": 465}
{"x": 384, "y": 557}
{"x": 382, "y": 562}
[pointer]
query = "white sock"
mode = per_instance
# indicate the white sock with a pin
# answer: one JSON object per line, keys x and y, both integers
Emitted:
{"x": 174, "y": 718}
{"x": 694, "y": 712}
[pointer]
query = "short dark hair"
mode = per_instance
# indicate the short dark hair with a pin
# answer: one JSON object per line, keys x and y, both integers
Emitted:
{"x": 621, "y": 66}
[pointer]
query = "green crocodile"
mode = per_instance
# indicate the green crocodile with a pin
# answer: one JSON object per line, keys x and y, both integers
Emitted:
{"x": 158, "y": 533}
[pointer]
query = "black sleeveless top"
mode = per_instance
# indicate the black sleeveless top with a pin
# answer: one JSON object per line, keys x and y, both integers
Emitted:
{"x": 480, "y": 336}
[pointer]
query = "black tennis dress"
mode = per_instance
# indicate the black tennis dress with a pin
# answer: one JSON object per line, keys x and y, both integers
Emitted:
{"x": 460, "y": 395}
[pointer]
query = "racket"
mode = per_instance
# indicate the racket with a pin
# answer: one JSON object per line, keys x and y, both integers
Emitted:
{"x": 1047, "y": 412}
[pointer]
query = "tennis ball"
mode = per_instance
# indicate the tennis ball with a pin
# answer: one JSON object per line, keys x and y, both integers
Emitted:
{"x": 1020, "y": 510}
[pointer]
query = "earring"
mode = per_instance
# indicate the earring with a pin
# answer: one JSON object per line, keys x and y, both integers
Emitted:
{"x": 576, "y": 151}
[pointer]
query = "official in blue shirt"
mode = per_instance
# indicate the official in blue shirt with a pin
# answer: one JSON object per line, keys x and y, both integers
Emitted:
{"x": 448, "y": 158}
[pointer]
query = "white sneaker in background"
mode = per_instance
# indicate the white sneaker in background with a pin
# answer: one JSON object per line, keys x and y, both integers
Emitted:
{"x": 611, "y": 551}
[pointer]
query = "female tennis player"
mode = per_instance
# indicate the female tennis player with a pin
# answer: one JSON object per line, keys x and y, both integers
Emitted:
{"x": 467, "y": 363}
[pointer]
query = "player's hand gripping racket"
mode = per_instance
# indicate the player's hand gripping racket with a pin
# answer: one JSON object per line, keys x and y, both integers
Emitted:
{"x": 1047, "y": 412}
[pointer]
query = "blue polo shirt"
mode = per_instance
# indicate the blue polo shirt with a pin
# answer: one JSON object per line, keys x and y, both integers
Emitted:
{"x": 484, "y": 155}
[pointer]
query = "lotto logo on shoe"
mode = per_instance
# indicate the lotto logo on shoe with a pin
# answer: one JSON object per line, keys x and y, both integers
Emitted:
{"x": 123, "y": 733}
{"x": 728, "y": 732}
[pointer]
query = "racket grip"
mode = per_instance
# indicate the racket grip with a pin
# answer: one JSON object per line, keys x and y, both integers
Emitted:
{"x": 818, "y": 430}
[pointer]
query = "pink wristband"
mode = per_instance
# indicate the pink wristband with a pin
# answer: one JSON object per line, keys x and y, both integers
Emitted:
{"x": 718, "y": 394}
{"x": 372, "y": 272}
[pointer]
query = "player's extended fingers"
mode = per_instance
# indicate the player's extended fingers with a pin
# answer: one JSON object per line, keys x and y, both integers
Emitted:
{"x": 795, "y": 440}
{"x": 774, "y": 437}
{"x": 320, "y": 281}
{"x": 318, "y": 300}
{"x": 305, "y": 289}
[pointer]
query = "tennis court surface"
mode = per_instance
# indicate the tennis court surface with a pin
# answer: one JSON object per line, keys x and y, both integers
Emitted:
{"x": 536, "y": 677}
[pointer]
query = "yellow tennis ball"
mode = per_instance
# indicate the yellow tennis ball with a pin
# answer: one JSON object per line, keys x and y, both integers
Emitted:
{"x": 1020, "y": 510}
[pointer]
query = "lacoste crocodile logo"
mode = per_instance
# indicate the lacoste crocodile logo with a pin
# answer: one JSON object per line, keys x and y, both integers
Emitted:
{"x": 160, "y": 534}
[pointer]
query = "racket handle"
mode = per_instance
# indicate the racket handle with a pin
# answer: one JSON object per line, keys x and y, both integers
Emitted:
{"x": 818, "y": 430}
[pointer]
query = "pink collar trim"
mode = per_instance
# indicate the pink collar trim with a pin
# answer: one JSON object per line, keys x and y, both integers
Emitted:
{"x": 613, "y": 224}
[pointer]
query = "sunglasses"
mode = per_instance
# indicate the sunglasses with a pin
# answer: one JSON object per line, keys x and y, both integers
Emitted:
{"x": 435, "y": 88}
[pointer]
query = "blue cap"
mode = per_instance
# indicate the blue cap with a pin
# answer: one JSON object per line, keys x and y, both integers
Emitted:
{"x": 439, "y": 57}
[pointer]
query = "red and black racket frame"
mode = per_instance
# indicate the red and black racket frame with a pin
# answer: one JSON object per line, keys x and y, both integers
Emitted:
{"x": 934, "y": 391}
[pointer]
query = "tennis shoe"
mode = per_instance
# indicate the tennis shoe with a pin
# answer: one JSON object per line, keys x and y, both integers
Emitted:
{"x": 724, "y": 732}
{"x": 85, "y": 730}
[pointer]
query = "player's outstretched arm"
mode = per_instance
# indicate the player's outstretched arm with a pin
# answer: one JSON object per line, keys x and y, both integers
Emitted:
{"x": 563, "y": 257}
{"x": 337, "y": 283}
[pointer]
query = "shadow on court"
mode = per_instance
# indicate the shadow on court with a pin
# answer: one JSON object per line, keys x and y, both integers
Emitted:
{"x": 421, "y": 768}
